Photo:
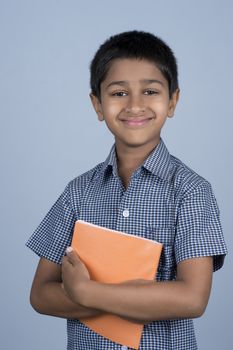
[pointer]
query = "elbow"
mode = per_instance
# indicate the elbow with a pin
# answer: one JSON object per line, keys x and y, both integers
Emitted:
{"x": 200, "y": 309}
{"x": 195, "y": 301}
{"x": 197, "y": 307}
{"x": 36, "y": 301}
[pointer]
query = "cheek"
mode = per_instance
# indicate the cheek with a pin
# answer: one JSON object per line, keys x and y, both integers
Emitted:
{"x": 112, "y": 109}
{"x": 160, "y": 107}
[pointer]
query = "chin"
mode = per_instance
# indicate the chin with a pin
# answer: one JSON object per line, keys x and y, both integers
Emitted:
{"x": 140, "y": 144}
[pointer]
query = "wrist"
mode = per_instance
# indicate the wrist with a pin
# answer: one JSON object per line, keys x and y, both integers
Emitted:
{"x": 85, "y": 293}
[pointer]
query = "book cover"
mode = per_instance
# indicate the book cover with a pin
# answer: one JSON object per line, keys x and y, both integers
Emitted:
{"x": 115, "y": 257}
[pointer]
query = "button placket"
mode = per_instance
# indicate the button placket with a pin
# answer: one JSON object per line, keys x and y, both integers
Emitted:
{"x": 126, "y": 213}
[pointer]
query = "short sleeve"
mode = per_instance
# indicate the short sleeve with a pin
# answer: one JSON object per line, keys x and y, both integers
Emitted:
{"x": 198, "y": 231}
{"x": 54, "y": 233}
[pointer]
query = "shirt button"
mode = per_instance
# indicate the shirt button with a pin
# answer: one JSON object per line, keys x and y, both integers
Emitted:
{"x": 126, "y": 213}
{"x": 124, "y": 347}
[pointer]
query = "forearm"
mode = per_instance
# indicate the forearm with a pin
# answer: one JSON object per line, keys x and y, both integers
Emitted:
{"x": 51, "y": 299}
{"x": 148, "y": 302}
{"x": 186, "y": 297}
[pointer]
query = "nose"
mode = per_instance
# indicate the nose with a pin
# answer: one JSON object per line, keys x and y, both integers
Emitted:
{"x": 135, "y": 105}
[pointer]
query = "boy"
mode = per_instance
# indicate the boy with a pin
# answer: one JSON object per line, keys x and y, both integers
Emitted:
{"x": 142, "y": 190}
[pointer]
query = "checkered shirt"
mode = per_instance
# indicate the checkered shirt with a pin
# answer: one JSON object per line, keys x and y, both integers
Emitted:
{"x": 165, "y": 201}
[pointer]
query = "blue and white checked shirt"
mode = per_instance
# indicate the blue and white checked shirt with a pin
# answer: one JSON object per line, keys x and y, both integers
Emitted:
{"x": 165, "y": 201}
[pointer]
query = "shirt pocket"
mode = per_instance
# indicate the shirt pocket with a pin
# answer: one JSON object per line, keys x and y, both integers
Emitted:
{"x": 164, "y": 235}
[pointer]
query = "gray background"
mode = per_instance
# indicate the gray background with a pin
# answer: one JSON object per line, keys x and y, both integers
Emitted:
{"x": 50, "y": 134}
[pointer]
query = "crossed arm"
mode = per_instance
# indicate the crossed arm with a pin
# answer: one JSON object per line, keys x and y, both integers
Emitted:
{"x": 68, "y": 292}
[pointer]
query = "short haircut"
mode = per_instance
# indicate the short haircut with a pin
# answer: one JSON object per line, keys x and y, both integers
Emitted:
{"x": 133, "y": 45}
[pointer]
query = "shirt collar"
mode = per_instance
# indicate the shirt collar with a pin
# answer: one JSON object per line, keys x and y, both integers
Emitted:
{"x": 158, "y": 162}
{"x": 111, "y": 161}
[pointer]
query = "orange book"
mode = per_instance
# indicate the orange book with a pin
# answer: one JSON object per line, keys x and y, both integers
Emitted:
{"x": 115, "y": 257}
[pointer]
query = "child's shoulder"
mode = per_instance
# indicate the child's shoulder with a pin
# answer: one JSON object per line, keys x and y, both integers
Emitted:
{"x": 185, "y": 179}
{"x": 81, "y": 181}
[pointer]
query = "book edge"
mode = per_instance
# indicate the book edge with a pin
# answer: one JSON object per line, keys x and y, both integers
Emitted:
{"x": 118, "y": 232}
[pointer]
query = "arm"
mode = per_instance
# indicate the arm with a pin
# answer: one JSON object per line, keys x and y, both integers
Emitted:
{"x": 187, "y": 297}
{"x": 48, "y": 297}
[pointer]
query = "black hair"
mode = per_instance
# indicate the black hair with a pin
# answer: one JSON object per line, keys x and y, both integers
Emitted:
{"x": 133, "y": 44}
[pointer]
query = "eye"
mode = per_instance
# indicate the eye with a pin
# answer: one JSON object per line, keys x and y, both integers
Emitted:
{"x": 119, "y": 93}
{"x": 150, "y": 92}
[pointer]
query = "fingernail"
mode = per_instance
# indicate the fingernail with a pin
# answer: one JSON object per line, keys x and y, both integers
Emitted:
{"x": 69, "y": 249}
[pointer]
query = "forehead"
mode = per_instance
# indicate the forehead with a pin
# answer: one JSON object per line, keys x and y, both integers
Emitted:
{"x": 133, "y": 70}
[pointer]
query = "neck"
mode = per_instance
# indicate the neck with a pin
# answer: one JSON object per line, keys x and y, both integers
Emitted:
{"x": 131, "y": 158}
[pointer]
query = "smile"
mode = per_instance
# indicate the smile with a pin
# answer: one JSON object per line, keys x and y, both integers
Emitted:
{"x": 136, "y": 122}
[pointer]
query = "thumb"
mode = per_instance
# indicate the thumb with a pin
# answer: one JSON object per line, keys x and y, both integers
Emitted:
{"x": 72, "y": 256}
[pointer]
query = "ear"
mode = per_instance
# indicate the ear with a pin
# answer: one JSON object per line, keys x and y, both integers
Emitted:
{"x": 97, "y": 106}
{"x": 173, "y": 102}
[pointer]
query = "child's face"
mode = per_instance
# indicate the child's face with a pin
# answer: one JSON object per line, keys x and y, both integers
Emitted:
{"x": 135, "y": 102}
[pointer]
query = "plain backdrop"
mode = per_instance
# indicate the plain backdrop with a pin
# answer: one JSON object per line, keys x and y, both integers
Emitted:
{"x": 50, "y": 134}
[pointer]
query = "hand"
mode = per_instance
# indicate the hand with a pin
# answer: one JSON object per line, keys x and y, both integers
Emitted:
{"x": 74, "y": 275}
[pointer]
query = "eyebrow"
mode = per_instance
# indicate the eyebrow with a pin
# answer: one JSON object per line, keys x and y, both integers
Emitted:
{"x": 126, "y": 82}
